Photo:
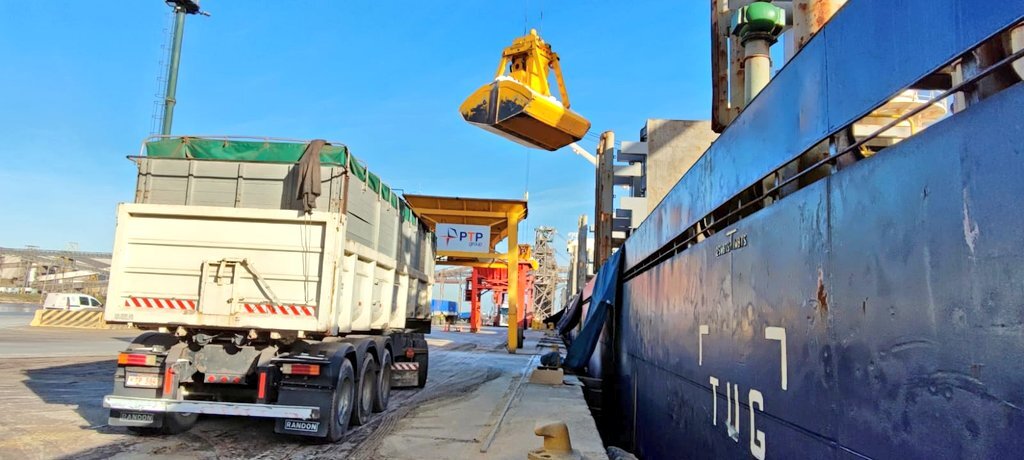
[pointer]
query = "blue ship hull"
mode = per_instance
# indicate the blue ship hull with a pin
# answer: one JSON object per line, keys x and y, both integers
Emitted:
{"x": 875, "y": 313}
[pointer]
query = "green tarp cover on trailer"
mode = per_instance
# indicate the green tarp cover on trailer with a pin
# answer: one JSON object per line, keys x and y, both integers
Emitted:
{"x": 388, "y": 195}
{"x": 222, "y": 149}
{"x": 407, "y": 214}
{"x": 357, "y": 169}
{"x": 373, "y": 181}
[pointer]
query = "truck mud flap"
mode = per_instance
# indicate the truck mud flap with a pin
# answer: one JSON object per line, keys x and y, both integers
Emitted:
{"x": 405, "y": 374}
{"x": 136, "y": 419}
{"x": 420, "y": 326}
{"x": 317, "y": 427}
{"x": 316, "y": 391}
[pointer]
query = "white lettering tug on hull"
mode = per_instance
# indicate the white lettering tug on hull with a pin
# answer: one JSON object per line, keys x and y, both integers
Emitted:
{"x": 758, "y": 442}
{"x": 757, "y": 445}
{"x": 714, "y": 400}
{"x": 732, "y": 422}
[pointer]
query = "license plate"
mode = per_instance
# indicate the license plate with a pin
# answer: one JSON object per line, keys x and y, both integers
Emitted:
{"x": 301, "y": 425}
{"x": 138, "y": 380}
{"x": 136, "y": 417}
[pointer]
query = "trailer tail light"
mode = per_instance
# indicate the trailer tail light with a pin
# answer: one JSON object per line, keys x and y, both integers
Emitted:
{"x": 136, "y": 359}
{"x": 169, "y": 383}
{"x": 410, "y": 353}
{"x": 235, "y": 379}
{"x": 300, "y": 369}
{"x": 261, "y": 393}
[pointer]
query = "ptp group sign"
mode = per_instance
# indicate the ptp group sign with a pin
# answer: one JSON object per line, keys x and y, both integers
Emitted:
{"x": 467, "y": 238}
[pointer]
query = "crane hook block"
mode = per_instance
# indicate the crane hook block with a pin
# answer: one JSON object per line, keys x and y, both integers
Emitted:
{"x": 518, "y": 104}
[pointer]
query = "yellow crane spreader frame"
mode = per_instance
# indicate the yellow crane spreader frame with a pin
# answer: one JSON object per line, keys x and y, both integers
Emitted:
{"x": 520, "y": 106}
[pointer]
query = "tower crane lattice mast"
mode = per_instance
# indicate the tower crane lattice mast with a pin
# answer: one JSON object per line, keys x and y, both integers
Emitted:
{"x": 546, "y": 276}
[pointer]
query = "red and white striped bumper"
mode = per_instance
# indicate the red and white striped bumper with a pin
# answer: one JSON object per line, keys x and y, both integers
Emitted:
{"x": 188, "y": 304}
{"x": 161, "y": 304}
{"x": 286, "y": 310}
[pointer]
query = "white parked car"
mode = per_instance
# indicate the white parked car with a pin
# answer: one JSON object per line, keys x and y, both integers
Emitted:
{"x": 71, "y": 301}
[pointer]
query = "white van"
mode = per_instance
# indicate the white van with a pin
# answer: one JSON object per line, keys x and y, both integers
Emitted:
{"x": 71, "y": 301}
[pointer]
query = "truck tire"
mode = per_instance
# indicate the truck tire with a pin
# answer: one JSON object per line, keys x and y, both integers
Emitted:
{"x": 175, "y": 422}
{"x": 423, "y": 359}
{"x": 150, "y": 338}
{"x": 383, "y": 396}
{"x": 144, "y": 430}
{"x": 367, "y": 391}
{"x": 344, "y": 399}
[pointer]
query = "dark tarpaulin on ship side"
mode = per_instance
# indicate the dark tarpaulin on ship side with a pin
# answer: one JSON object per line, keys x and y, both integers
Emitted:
{"x": 555, "y": 318}
{"x": 570, "y": 317}
{"x": 603, "y": 299}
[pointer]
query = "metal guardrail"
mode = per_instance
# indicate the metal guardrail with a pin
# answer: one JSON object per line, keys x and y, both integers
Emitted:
{"x": 30, "y": 252}
{"x": 690, "y": 236}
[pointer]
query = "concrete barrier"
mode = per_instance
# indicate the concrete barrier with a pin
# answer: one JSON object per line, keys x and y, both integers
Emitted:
{"x": 79, "y": 319}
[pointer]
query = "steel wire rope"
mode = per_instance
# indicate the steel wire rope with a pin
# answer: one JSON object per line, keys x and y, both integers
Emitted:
{"x": 526, "y": 17}
{"x": 526, "y": 188}
{"x": 304, "y": 242}
{"x": 540, "y": 26}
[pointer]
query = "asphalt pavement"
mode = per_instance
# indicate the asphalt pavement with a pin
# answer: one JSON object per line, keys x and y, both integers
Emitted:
{"x": 19, "y": 340}
{"x": 16, "y": 314}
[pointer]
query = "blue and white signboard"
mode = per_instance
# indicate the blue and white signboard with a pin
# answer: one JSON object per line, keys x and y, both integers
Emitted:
{"x": 464, "y": 238}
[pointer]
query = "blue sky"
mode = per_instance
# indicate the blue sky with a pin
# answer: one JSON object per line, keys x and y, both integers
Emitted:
{"x": 386, "y": 78}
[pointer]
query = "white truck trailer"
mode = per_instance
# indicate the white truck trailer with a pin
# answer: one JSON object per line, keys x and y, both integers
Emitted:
{"x": 252, "y": 305}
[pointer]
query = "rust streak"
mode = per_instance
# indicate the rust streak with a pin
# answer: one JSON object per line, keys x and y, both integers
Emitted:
{"x": 822, "y": 294}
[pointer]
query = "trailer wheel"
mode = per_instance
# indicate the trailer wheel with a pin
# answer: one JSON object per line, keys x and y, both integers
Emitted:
{"x": 175, "y": 422}
{"x": 144, "y": 430}
{"x": 344, "y": 399}
{"x": 150, "y": 338}
{"x": 367, "y": 391}
{"x": 423, "y": 359}
{"x": 380, "y": 402}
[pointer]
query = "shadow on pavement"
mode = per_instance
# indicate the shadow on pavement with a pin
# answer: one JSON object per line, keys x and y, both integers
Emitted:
{"x": 82, "y": 384}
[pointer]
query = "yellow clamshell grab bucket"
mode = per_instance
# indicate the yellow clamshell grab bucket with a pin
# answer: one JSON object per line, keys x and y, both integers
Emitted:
{"x": 519, "y": 106}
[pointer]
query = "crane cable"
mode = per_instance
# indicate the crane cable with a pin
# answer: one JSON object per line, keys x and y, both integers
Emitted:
{"x": 526, "y": 17}
{"x": 526, "y": 188}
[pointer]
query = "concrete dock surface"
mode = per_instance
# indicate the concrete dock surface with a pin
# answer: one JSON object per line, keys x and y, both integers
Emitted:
{"x": 464, "y": 427}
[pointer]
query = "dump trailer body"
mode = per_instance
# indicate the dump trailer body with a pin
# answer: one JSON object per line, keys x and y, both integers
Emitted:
{"x": 240, "y": 268}
{"x": 207, "y": 244}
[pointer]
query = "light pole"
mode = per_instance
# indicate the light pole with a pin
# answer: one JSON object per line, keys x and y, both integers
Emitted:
{"x": 181, "y": 8}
